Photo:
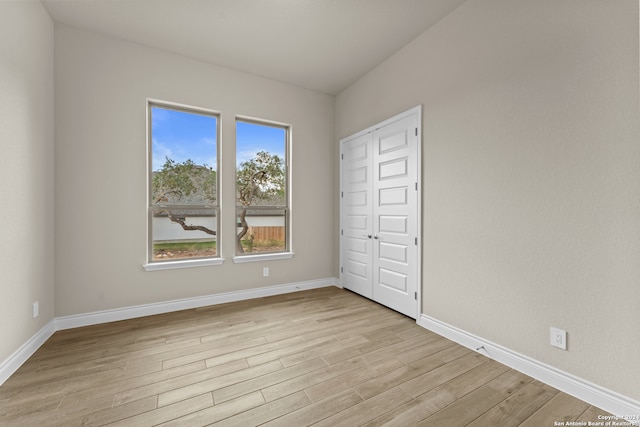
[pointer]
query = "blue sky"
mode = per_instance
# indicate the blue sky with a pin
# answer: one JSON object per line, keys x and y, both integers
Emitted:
{"x": 251, "y": 138}
{"x": 181, "y": 136}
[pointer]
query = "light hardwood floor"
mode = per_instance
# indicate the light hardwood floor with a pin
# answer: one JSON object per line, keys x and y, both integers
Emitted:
{"x": 325, "y": 357}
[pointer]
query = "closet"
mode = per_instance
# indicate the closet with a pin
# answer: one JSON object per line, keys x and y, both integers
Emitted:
{"x": 380, "y": 212}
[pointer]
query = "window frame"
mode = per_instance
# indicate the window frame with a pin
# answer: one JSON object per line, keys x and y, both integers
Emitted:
{"x": 287, "y": 253}
{"x": 154, "y": 265}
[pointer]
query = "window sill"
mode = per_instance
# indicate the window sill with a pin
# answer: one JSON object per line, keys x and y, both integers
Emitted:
{"x": 170, "y": 265}
{"x": 262, "y": 257}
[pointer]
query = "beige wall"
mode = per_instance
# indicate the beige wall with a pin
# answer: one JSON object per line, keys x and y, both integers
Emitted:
{"x": 531, "y": 173}
{"x": 26, "y": 172}
{"x": 531, "y": 185}
{"x": 101, "y": 221}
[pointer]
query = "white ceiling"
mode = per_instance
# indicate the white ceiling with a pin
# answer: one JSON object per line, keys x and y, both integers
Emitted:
{"x": 323, "y": 45}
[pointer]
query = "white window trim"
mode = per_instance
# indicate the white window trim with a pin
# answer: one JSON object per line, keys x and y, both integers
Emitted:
{"x": 187, "y": 263}
{"x": 239, "y": 259}
{"x": 288, "y": 254}
{"x": 184, "y": 263}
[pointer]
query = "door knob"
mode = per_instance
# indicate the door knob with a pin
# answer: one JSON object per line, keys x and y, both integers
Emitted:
{"x": 375, "y": 236}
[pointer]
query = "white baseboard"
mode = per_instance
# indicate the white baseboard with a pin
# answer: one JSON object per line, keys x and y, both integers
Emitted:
{"x": 10, "y": 365}
{"x": 87, "y": 319}
{"x": 593, "y": 394}
{"x": 13, "y": 362}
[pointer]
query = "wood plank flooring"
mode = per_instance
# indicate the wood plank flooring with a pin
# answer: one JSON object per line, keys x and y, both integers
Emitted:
{"x": 324, "y": 357}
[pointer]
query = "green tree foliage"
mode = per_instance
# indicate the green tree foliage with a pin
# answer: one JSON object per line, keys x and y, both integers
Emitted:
{"x": 183, "y": 184}
{"x": 261, "y": 179}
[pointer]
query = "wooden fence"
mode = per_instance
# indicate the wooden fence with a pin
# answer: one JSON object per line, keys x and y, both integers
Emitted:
{"x": 262, "y": 234}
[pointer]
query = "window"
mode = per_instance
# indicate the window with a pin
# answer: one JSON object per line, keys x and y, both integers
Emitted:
{"x": 183, "y": 183}
{"x": 262, "y": 189}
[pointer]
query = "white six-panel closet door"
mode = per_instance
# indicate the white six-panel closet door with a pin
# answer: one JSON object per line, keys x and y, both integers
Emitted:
{"x": 380, "y": 213}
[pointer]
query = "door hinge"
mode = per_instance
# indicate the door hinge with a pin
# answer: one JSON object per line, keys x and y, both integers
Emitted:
{"x": 341, "y": 270}
{"x": 415, "y": 296}
{"x": 341, "y": 156}
{"x": 416, "y": 131}
{"x": 342, "y": 194}
{"x": 342, "y": 232}
{"x": 416, "y": 186}
{"x": 416, "y": 241}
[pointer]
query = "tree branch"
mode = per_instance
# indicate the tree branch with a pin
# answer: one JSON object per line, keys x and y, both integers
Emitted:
{"x": 163, "y": 197}
{"x": 243, "y": 232}
{"x": 186, "y": 227}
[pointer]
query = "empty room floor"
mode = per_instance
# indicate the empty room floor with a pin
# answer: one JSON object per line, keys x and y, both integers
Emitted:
{"x": 323, "y": 357}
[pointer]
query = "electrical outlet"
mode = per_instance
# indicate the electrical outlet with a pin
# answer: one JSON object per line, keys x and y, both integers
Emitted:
{"x": 265, "y": 272}
{"x": 558, "y": 338}
{"x": 36, "y": 309}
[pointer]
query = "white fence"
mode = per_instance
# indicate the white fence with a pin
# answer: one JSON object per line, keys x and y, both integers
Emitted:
{"x": 166, "y": 230}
